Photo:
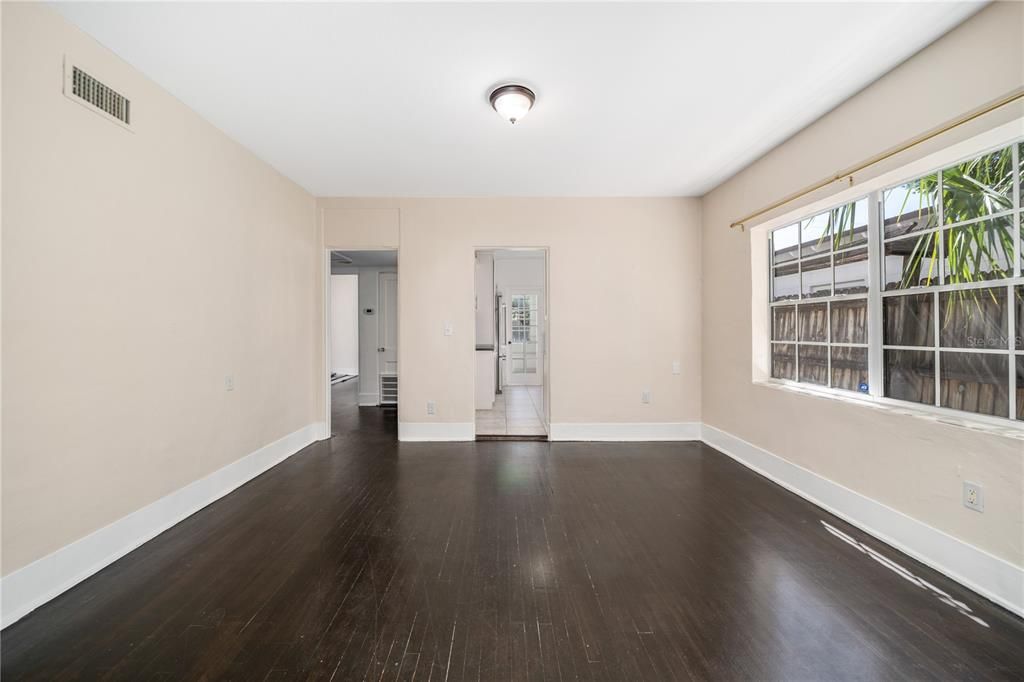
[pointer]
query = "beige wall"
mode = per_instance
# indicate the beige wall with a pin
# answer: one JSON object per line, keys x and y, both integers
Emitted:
{"x": 624, "y": 298}
{"x": 910, "y": 464}
{"x": 139, "y": 268}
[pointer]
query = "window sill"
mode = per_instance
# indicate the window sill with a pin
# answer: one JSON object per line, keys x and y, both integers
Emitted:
{"x": 982, "y": 423}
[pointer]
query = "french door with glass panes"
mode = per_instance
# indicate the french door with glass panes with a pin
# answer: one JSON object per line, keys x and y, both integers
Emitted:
{"x": 524, "y": 345}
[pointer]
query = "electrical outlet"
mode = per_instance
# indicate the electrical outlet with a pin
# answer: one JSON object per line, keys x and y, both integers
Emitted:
{"x": 448, "y": 329}
{"x": 431, "y": 407}
{"x": 229, "y": 383}
{"x": 974, "y": 496}
{"x": 676, "y": 367}
{"x": 645, "y": 397}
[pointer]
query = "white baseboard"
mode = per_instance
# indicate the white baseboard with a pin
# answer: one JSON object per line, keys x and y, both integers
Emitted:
{"x": 988, "y": 575}
{"x": 368, "y": 399}
{"x": 626, "y": 432}
{"x": 42, "y": 580}
{"x": 436, "y": 431}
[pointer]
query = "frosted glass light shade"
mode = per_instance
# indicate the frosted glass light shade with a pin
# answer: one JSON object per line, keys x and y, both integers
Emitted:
{"x": 512, "y": 102}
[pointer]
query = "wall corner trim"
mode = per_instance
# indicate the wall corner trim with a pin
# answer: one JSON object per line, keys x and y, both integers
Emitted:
{"x": 436, "y": 431}
{"x": 40, "y": 581}
{"x": 622, "y": 432}
{"x": 990, "y": 576}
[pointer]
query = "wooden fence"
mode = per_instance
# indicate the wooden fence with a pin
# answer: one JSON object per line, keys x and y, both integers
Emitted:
{"x": 971, "y": 382}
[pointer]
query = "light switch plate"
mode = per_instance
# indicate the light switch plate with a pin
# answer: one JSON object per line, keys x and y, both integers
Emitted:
{"x": 676, "y": 367}
{"x": 229, "y": 383}
{"x": 448, "y": 329}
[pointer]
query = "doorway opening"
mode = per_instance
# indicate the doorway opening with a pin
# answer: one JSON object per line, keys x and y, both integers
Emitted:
{"x": 511, "y": 344}
{"x": 362, "y": 333}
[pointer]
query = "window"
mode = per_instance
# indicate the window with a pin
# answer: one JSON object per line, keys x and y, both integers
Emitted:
{"x": 525, "y": 328}
{"x": 820, "y": 299}
{"x": 936, "y": 263}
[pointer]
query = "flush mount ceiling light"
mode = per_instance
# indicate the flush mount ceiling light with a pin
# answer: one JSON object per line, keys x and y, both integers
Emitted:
{"x": 513, "y": 102}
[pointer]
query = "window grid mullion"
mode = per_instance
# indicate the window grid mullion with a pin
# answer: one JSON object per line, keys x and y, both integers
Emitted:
{"x": 941, "y": 234}
{"x": 799, "y": 296}
{"x": 828, "y": 341}
{"x": 831, "y": 293}
{"x": 942, "y": 281}
{"x": 784, "y": 342}
{"x": 935, "y": 349}
{"x": 917, "y": 234}
{"x": 771, "y": 298}
{"x": 1015, "y": 160}
{"x": 1011, "y": 320}
{"x": 876, "y": 278}
{"x": 822, "y": 299}
{"x": 950, "y": 349}
{"x": 959, "y": 286}
{"x": 1011, "y": 345}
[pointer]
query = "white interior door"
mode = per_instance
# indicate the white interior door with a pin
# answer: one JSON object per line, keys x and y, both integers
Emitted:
{"x": 387, "y": 321}
{"x": 524, "y": 332}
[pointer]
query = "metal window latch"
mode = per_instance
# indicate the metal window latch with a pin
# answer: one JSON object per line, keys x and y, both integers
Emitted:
{"x": 381, "y": 349}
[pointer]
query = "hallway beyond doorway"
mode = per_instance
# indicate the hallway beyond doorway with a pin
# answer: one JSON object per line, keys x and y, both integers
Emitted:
{"x": 517, "y": 411}
{"x": 511, "y": 343}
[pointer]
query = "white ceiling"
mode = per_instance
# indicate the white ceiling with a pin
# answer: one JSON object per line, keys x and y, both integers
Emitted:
{"x": 633, "y": 99}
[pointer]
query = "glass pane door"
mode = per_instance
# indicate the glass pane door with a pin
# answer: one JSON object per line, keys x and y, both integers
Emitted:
{"x": 524, "y": 336}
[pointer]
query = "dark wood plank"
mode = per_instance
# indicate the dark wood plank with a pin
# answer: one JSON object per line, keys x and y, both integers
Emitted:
{"x": 364, "y": 558}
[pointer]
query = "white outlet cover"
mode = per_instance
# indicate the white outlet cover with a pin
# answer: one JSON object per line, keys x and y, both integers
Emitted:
{"x": 448, "y": 329}
{"x": 645, "y": 397}
{"x": 676, "y": 367}
{"x": 229, "y": 383}
{"x": 974, "y": 496}
{"x": 431, "y": 407}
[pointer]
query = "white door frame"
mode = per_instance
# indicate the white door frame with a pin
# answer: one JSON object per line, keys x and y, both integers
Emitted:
{"x": 325, "y": 321}
{"x": 547, "y": 326}
{"x": 382, "y": 326}
{"x": 326, "y": 315}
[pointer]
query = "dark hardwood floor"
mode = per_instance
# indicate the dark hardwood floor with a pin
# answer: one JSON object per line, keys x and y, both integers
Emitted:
{"x": 362, "y": 558}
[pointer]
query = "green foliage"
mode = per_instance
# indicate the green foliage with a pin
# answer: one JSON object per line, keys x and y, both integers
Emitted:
{"x": 976, "y": 251}
{"x": 841, "y": 227}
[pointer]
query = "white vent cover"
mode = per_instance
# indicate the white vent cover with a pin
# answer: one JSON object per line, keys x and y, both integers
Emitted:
{"x": 388, "y": 389}
{"x": 90, "y": 92}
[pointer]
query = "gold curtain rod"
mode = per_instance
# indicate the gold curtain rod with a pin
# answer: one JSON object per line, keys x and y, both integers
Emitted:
{"x": 848, "y": 173}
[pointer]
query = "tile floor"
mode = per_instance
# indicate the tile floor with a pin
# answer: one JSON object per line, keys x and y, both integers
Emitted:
{"x": 518, "y": 411}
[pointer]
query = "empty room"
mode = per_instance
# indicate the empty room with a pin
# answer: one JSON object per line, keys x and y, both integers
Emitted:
{"x": 512, "y": 341}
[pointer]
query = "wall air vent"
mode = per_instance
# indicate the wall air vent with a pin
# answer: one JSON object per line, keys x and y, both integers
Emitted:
{"x": 96, "y": 95}
{"x": 388, "y": 389}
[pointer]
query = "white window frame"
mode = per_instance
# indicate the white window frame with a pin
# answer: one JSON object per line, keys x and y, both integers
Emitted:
{"x": 762, "y": 270}
{"x": 827, "y": 301}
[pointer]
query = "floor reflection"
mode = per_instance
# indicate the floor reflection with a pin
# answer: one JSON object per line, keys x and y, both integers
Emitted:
{"x": 904, "y": 573}
{"x": 365, "y": 558}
